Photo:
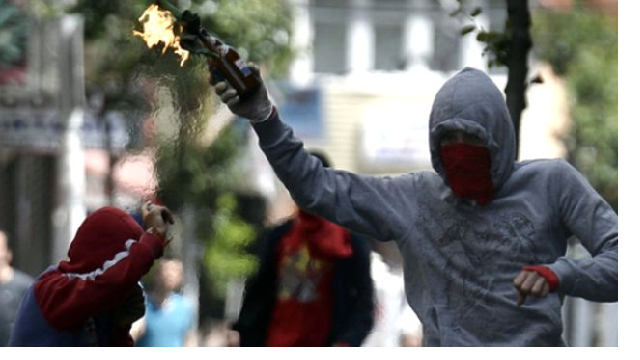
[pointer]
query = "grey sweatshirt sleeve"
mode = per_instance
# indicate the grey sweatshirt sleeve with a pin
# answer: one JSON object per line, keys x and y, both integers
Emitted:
{"x": 380, "y": 207}
{"x": 595, "y": 224}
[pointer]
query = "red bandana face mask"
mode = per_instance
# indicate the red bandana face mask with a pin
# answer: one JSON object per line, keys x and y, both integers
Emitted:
{"x": 468, "y": 170}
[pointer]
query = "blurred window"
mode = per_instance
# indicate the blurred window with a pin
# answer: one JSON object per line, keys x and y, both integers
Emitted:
{"x": 497, "y": 13}
{"x": 389, "y": 18}
{"x": 389, "y": 50}
{"x": 330, "y": 48}
{"x": 447, "y": 43}
{"x": 330, "y": 20}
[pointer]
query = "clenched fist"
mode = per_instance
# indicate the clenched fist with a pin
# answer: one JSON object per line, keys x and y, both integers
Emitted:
{"x": 157, "y": 217}
{"x": 530, "y": 282}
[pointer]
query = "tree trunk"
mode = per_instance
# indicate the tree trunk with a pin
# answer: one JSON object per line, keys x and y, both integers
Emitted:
{"x": 518, "y": 24}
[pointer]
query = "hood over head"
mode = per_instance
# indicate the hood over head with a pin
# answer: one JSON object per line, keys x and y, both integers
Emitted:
{"x": 102, "y": 235}
{"x": 472, "y": 103}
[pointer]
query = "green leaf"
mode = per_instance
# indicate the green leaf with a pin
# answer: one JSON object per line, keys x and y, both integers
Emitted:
{"x": 582, "y": 48}
{"x": 467, "y": 29}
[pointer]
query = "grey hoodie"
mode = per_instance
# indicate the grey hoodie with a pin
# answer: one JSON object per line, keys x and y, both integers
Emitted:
{"x": 460, "y": 259}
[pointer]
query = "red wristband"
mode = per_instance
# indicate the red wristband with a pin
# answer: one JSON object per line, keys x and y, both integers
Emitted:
{"x": 547, "y": 274}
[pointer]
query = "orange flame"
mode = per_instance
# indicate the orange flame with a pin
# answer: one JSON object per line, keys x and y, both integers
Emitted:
{"x": 157, "y": 28}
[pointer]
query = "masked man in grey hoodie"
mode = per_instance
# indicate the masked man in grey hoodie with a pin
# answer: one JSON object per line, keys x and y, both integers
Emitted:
{"x": 484, "y": 238}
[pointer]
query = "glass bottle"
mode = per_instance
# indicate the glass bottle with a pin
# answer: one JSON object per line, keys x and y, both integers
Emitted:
{"x": 226, "y": 64}
{"x": 224, "y": 61}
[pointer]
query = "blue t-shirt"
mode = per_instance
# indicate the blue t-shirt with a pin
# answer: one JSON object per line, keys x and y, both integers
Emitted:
{"x": 167, "y": 326}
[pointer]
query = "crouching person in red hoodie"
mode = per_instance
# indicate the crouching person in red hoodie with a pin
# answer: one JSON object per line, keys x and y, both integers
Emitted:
{"x": 92, "y": 298}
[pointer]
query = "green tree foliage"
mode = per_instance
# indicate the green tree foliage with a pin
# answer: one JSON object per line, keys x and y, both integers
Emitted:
{"x": 149, "y": 84}
{"x": 14, "y": 27}
{"x": 205, "y": 176}
{"x": 259, "y": 29}
{"x": 226, "y": 258}
{"x": 582, "y": 46}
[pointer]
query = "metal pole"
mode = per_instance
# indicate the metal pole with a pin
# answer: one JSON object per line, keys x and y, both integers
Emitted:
{"x": 69, "y": 209}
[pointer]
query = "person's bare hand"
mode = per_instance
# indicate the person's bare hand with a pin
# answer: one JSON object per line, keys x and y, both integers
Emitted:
{"x": 158, "y": 217}
{"x": 530, "y": 283}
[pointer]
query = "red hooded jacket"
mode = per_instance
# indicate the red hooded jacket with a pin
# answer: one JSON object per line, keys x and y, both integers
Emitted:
{"x": 107, "y": 257}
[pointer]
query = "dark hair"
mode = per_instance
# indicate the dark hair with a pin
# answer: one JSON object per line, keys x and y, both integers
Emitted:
{"x": 322, "y": 156}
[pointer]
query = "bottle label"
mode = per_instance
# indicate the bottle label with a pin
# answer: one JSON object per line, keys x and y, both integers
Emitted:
{"x": 244, "y": 68}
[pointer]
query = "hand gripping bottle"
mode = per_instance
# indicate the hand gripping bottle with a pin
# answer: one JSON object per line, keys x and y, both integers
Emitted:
{"x": 224, "y": 61}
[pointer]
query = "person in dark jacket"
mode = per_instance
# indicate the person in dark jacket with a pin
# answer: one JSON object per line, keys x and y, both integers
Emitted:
{"x": 313, "y": 287}
{"x": 92, "y": 298}
{"x": 13, "y": 285}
